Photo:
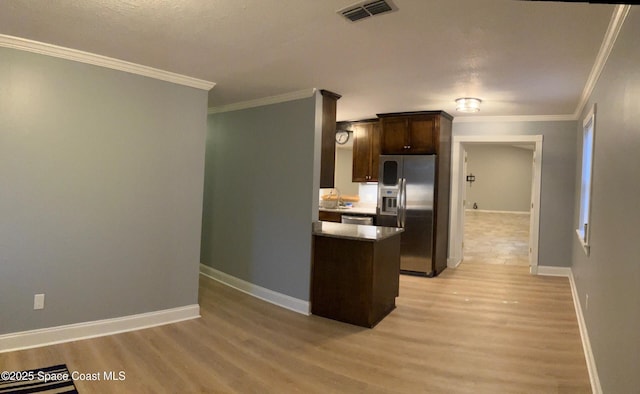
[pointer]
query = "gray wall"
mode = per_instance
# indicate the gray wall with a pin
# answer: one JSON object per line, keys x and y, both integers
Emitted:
{"x": 101, "y": 177}
{"x": 259, "y": 195}
{"x": 611, "y": 274}
{"x": 558, "y": 177}
{"x": 503, "y": 177}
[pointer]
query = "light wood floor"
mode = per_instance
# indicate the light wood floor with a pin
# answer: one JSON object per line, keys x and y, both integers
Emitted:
{"x": 496, "y": 238}
{"x": 476, "y": 329}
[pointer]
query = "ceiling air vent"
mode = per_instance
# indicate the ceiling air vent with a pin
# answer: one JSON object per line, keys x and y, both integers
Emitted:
{"x": 377, "y": 7}
{"x": 366, "y": 9}
{"x": 356, "y": 14}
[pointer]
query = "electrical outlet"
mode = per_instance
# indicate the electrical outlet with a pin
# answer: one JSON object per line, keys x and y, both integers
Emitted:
{"x": 586, "y": 303}
{"x": 38, "y": 301}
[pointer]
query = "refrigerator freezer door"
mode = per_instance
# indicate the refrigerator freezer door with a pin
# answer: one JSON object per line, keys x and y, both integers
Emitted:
{"x": 390, "y": 170}
{"x": 390, "y": 175}
{"x": 417, "y": 240}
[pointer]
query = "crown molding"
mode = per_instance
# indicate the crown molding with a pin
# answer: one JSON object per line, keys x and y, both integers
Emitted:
{"x": 281, "y": 98}
{"x": 516, "y": 118}
{"x": 102, "y": 61}
{"x": 615, "y": 25}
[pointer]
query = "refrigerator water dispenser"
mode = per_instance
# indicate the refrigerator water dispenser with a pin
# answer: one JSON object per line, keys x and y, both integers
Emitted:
{"x": 389, "y": 203}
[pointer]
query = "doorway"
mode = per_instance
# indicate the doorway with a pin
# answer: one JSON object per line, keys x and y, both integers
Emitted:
{"x": 498, "y": 200}
{"x": 459, "y": 184}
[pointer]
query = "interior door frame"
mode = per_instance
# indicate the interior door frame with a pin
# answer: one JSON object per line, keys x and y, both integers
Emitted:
{"x": 456, "y": 220}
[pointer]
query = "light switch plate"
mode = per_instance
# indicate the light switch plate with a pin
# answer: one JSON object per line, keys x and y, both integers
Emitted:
{"x": 38, "y": 301}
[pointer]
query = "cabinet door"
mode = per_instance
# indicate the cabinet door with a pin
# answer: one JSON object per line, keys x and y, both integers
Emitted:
{"x": 361, "y": 153}
{"x": 375, "y": 152}
{"x": 421, "y": 135}
{"x": 394, "y": 135}
{"x": 328, "y": 152}
{"x": 366, "y": 152}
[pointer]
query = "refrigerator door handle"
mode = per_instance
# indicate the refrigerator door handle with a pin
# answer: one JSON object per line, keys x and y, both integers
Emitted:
{"x": 399, "y": 212}
{"x": 404, "y": 202}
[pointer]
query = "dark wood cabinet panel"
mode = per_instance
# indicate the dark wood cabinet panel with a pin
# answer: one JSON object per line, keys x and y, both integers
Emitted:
{"x": 328, "y": 216}
{"x": 361, "y": 154}
{"x": 421, "y": 133}
{"x": 375, "y": 152}
{"x": 442, "y": 190}
{"x": 366, "y": 151}
{"x": 328, "y": 148}
{"x": 394, "y": 136}
{"x": 354, "y": 281}
{"x": 408, "y": 135}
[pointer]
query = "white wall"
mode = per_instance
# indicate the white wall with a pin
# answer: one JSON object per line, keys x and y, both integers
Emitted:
{"x": 344, "y": 171}
{"x": 503, "y": 176}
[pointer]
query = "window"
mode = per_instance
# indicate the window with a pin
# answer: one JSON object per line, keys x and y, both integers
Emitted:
{"x": 588, "y": 130}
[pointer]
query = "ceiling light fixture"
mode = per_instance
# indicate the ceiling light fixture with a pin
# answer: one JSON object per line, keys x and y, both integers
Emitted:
{"x": 468, "y": 104}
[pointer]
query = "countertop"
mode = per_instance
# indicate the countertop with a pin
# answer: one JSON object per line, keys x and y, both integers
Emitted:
{"x": 354, "y": 210}
{"x": 356, "y": 232}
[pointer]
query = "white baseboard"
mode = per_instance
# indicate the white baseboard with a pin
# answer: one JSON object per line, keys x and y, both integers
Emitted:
{"x": 596, "y": 388}
{"x": 547, "y": 270}
{"x": 490, "y": 211}
{"x": 98, "y": 328}
{"x": 453, "y": 262}
{"x": 262, "y": 293}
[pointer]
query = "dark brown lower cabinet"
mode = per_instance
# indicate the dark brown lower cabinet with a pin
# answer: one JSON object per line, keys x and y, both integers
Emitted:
{"x": 329, "y": 216}
{"x": 355, "y": 281}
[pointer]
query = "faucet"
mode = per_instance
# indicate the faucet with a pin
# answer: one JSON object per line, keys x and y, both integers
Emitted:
{"x": 339, "y": 196}
{"x": 329, "y": 201}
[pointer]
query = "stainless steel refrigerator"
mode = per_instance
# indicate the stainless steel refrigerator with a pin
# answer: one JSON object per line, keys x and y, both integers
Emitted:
{"x": 406, "y": 199}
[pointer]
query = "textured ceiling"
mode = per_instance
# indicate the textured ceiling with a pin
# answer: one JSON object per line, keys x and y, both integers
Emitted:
{"x": 520, "y": 58}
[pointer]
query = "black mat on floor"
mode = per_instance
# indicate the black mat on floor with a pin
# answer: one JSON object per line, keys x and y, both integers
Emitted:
{"x": 54, "y": 379}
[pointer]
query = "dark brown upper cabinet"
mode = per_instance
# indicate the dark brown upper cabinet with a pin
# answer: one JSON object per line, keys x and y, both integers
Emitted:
{"x": 328, "y": 150}
{"x": 366, "y": 151}
{"x": 409, "y": 133}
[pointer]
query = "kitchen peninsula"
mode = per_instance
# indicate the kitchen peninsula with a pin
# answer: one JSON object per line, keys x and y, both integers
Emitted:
{"x": 355, "y": 272}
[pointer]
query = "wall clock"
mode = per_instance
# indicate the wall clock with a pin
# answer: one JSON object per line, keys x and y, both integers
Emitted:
{"x": 342, "y": 136}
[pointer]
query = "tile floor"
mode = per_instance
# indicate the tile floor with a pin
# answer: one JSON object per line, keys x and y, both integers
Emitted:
{"x": 496, "y": 238}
